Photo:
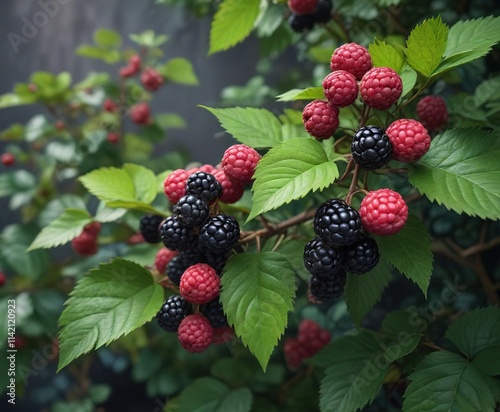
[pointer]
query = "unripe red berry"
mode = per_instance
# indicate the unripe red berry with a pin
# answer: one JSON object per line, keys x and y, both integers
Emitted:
{"x": 141, "y": 113}
{"x": 113, "y": 137}
{"x": 151, "y": 79}
{"x": 3, "y": 279}
{"x": 110, "y": 106}
{"x": 8, "y": 159}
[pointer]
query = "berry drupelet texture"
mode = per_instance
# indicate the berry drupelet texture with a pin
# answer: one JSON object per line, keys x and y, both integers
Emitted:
{"x": 150, "y": 228}
{"x": 173, "y": 310}
{"x": 361, "y": 256}
{"x": 220, "y": 232}
{"x": 371, "y": 148}
{"x": 321, "y": 259}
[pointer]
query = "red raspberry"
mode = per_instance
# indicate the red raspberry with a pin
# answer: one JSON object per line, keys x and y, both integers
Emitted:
{"x": 352, "y": 58}
{"x": 175, "y": 185}
{"x": 231, "y": 191}
{"x": 163, "y": 257}
{"x": 132, "y": 68}
{"x": 93, "y": 228}
{"x": 295, "y": 353}
{"x": 410, "y": 139}
{"x": 199, "y": 283}
{"x": 140, "y": 113}
{"x": 135, "y": 62}
{"x": 85, "y": 244}
{"x": 320, "y": 119}
{"x": 3, "y": 279}
{"x": 204, "y": 168}
{"x": 151, "y": 79}
{"x": 60, "y": 125}
{"x": 312, "y": 336}
{"x": 32, "y": 88}
{"x": 127, "y": 71}
{"x": 8, "y": 159}
{"x": 222, "y": 335}
{"x": 341, "y": 88}
{"x": 113, "y": 137}
{"x": 110, "y": 106}
{"x": 300, "y": 7}
{"x": 381, "y": 87}
{"x": 432, "y": 112}
{"x": 135, "y": 239}
{"x": 239, "y": 162}
{"x": 195, "y": 333}
{"x": 383, "y": 212}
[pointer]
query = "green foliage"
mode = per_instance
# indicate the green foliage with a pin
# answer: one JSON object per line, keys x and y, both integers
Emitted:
{"x": 19, "y": 185}
{"x": 179, "y": 70}
{"x": 257, "y": 293}
{"x": 107, "y": 303}
{"x": 311, "y": 93}
{"x": 107, "y": 38}
{"x": 148, "y": 38}
{"x": 400, "y": 335}
{"x": 386, "y": 55}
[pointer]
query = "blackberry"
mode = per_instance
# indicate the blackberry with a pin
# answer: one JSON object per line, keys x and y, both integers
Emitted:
{"x": 215, "y": 258}
{"x": 191, "y": 211}
{"x": 337, "y": 223}
{"x": 328, "y": 288}
{"x": 371, "y": 147}
{"x": 175, "y": 235}
{"x": 150, "y": 228}
{"x": 176, "y": 268}
{"x": 302, "y": 23}
{"x": 220, "y": 232}
{"x": 205, "y": 186}
{"x": 323, "y": 12}
{"x": 321, "y": 259}
{"x": 360, "y": 257}
{"x": 173, "y": 310}
{"x": 214, "y": 313}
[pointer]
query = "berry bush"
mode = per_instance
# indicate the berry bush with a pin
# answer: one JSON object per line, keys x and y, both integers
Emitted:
{"x": 341, "y": 256}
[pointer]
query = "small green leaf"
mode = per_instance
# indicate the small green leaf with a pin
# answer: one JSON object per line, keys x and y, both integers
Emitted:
{"x": 402, "y": 336}
{"x": 101, "y": 53}
{"x": 426, "y": 45}
{"x": 60, "y": 231}
{"x": 461, "y": 171}
{"x": 290, "y": 171}
{"x": 107, "y": 38}
{"x": 149, "y": 39}
{"x": 362, "y": 292}
{"x": 257, "y": 293}
{"x": 232, "y": 23}
{"x": 409, "y": 251}
{"x": 385, "y": 55}
{"x": 409, "y": 79}
{"x": 179, "y": 70}
{"x": 144, "y": 182}
{"x": 445, "y": 381}
{"x": 311, "y": 93}
{"x": 487, "y": 360}
{"x": 476, "y": 330}
{"x": 16, "y": 182}
{"x": 253, "y": 127}
{"x": 109, "y": 302}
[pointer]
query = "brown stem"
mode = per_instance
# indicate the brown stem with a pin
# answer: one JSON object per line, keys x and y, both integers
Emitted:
{"x": 488, "y": 286}
{"x": 354, "y": 184}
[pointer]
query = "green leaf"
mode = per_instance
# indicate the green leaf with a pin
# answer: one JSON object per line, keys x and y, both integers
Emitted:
{"x": 385, "y": 55}
{"x": 149, "y": 39}
{"x": 253, "y": 127}
{"x": 488, "y": 361}
{"x": 60, "y": 231}
{"x": 101, "y": 53}
{"x": 144, "y": 182}
{"x": 14, "y": 99}
{"x": 16, "y": 182}
{"x": 232, "y": 23}
{"x": 476, "y": 330}
{"x": 402, "y": 336}
{"x": 290, "y": 171}
{"x": 257, "y": 293}
{"x": 179, "y": 70}
{"x": 311, "y": 93}
{"x": 469, "y": 40}
{"x": 107, "y": 303}
{"x": 410, "y": 252}
{"x": 426, "y": 45}
{"x": 170, "y": 121}
{"x": 362, "y": 292}
{"x": 355, "y": 372}
{"x": 461, "y": 171}
{"x": 409, "y": 79}
{"x": 445, "y": 381}
{"x": 107, "y": 38}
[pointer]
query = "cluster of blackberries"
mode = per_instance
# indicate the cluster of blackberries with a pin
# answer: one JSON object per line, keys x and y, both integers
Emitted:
{"x": 307, "y": 13}
{"x": 339, "y": 247}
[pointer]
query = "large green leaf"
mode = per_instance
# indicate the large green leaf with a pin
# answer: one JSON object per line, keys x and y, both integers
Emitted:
{"x": 426, "y": 45}
{"x": 445, "y": 381}
{"x": 109, "y": 302}
{"x": 232, "y": 23}
{"x": 362, "y": 292}
{"x": 410, "y": 252}
{"x": 461, "y": 171}
{"x": 386, "y": 55}
{"x": 290, "y": 171}
{"x": 401, "y": 335}
{"x": 311, "y": 93}
{"x": 61, "y": 230}
{"x": 179, "y": 70}
{"x": 257, "y": 293}
{"x": 251, "y": 126}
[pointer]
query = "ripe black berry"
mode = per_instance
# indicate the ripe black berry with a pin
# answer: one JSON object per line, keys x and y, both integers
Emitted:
{"x": 328, "y": 288}
{"x": 214, "y": 313}
{"x": 173, "y": 310}
{"x": 150, "y": 228}
{"x": 361, "y": 256}
{"x": 215, "y": 258}
{"x": 191, "y": 211}
{"x": 371, "y": 147}
{"x": 321, "y": 259}
{"x": 220, "y": 232}
{"x": 337, "y": 223}
{"x": 302, "y": 23}
{"x": 205, "y": 186}
{"x": 175, "y": 235}
{"x": 323, "y": 12}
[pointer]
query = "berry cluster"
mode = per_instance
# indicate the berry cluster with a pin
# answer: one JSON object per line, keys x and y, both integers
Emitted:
{"x": 309, "y": 341}
{"x": 85, "y": 244}
{"x": 307, "y": 13}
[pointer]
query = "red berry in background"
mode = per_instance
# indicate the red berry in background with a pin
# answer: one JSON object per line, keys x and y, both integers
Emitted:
{"x": 204, "y": 168}
{"x": 341, "y": 88}
{"x": 302, "y": 6}
{"x": 85, "y": 244}
{"x": 312, "y": 336}
{"x": 110, "y": 106}
{"x": 3, "y": 279}
{"x": 239, "y": 162}
{"x": 8, "y": 159}
{"x": 60, "y": 125}
{"x": 199, "y": 283}
{"x": 432, "y": 112}
{"x": 175, "y": 185}
{"x": 352, "y": 58}
{"x": 135, "y": 239}
{"x": 380, "y": 88}
{"x": 295, "y": 353}
{"x": 135, "y": 62}
{"x": 141, "y": 113}
{"x": 383, "y": 212}
{"x": 163, "y": 258}
{"x": 19, "y": 342}
{"x": 320, "y": 119}
{"x": 113, "y": 137}
{"x": 93, "y": 229}
{"x": 195, "y": 333}
{"x": 151, "y": 79}
{"x": 132, "y": 68}
{"x": 409, "y": 138}
{"x": 222, "y": 335}
{"x": 231, "y": 191}
{"x": 127, "y": 71}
